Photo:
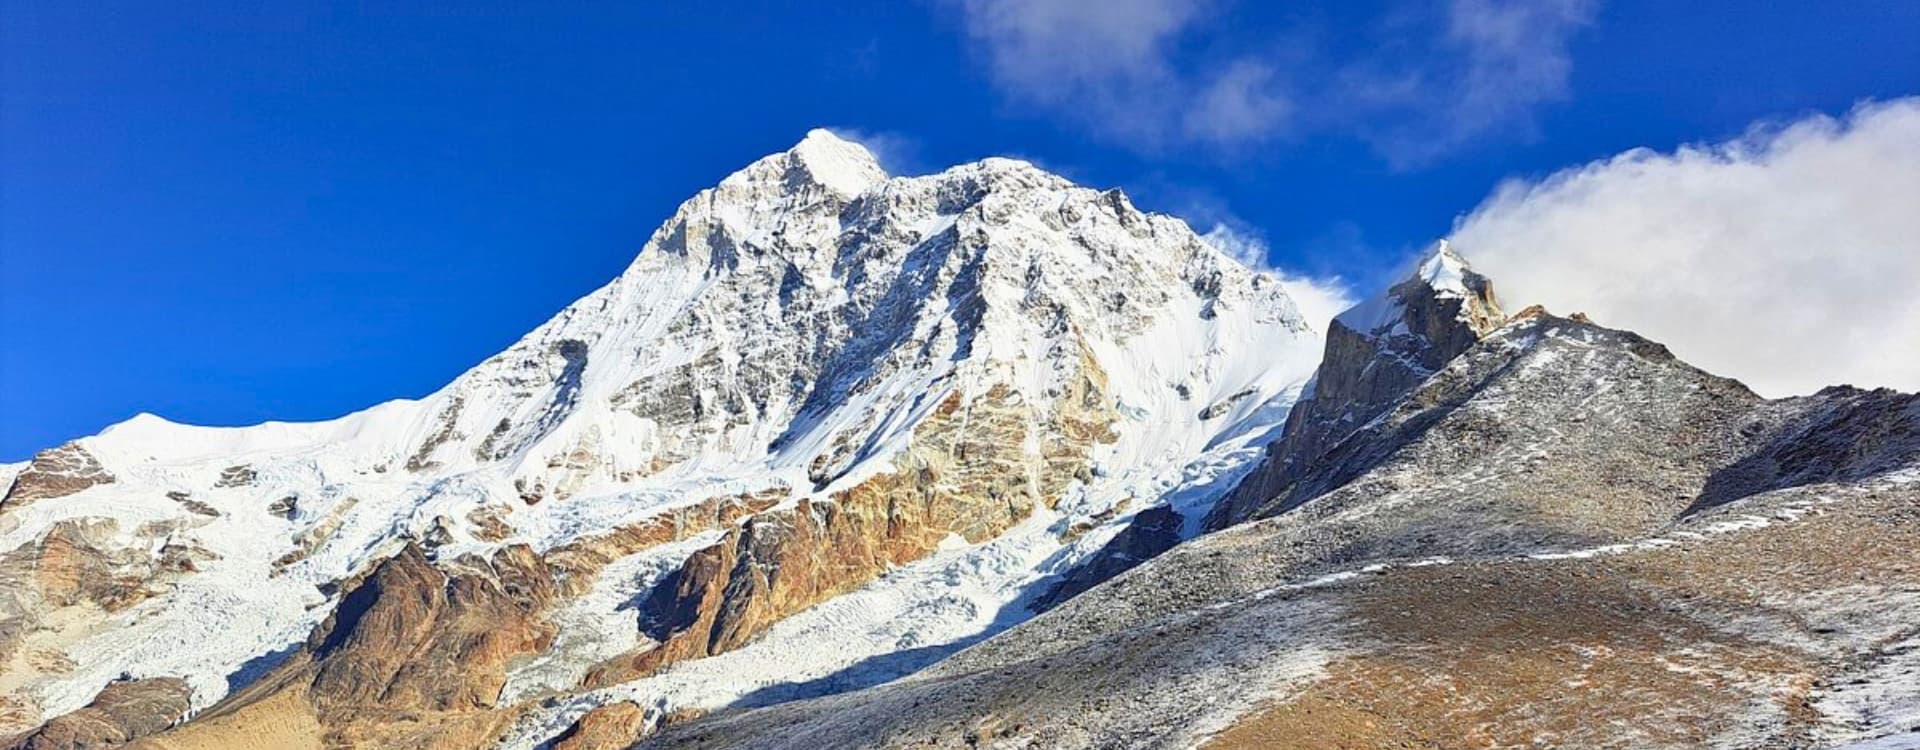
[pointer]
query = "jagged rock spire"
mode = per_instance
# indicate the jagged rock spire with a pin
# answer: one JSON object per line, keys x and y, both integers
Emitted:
{"x": 1442, "y": 291}
{"x": 1376, "y": 352}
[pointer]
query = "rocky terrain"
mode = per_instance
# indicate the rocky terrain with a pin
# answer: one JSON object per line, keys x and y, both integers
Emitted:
{"x": 986, "y": 459}
{"x": 1565, "y": 537}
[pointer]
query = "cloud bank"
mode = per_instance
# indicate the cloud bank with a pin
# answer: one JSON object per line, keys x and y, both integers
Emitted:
{"x": 1153, "y": 74}
{"x": 1788, "y": 258}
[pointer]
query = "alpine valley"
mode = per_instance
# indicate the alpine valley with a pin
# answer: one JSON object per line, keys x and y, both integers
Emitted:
{"x": 984, "y": 458}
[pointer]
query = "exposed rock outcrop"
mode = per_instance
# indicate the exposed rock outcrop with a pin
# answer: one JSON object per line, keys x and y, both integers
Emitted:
{"x": 415, "y": 637}
{"x": 1375, "y": 354}
{"x": 54, "y": 589}
{"x": 609, "y": 727}
{"x": 125, "y": 710}
{"x": 55, "y": 472}
{"x": 415, "y": 654}
{"x": 575, "y": 563}
{"x": 967, "y": 472}
{"x": 239, "y": 475}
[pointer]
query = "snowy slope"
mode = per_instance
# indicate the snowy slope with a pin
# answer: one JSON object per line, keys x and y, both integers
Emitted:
{"x": 787, "y": 328}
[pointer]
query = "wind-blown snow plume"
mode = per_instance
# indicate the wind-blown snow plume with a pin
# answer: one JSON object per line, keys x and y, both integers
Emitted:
{"x": 1788, "y": 257}
{"x": 1319, "y": 299}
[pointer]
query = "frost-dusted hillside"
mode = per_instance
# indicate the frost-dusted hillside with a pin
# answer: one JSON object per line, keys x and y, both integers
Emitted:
{"x": 1558, "y": 535}
{"x": 827, "y": 419}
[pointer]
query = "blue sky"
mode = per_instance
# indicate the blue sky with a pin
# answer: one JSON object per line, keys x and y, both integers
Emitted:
{"x": 227, "y": 213}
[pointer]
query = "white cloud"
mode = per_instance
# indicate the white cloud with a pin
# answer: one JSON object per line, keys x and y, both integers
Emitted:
{"x": 1242, "y": 103}
{"x": 1110, "y": 66}
{"x": 1151, "y": 73}
{"x": 1516, "y": 55}
{"x": 1318, "y": 299}
{"x": 1495, "y": 63}
{"x": 1788, "y": 258}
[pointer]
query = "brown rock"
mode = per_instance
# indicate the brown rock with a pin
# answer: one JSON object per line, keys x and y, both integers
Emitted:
{"x": 78, "y": 562}
{"x": 966, "y": 472}
{"x": 487, "y": 524}
{"x": 55, "y": 472}
{"x": 445, "y": 430}
{"x": 1528, "y": 313}
{"x": 414, "y": 655}
{"x": 124, "y": 710}
{"x": 72, "y": 579}
{"x": 576, "y": 562}
{"x": 609, "y": 727}
{"x": 415, "y": 637}
{"x": 185, "y": 499}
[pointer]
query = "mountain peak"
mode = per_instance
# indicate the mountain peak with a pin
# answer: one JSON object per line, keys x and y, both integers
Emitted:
{"x": 1376, "y": 352}
{"x": 1445, "y": 271}
{"x": 1443, "y": 274}
{"x": 843, "y": 165}
{"x": 821, "y": 161}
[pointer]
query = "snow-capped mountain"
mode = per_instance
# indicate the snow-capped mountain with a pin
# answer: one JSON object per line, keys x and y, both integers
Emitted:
{"x": 813, "y": 370}
{"x": 845, "y": 459}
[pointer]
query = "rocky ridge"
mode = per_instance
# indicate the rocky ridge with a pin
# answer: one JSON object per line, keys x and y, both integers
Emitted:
{"x": 1564, "y": 536}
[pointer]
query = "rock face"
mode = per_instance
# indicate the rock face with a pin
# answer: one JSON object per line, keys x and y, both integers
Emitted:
{"x": 1376, "y": 353}
{"x": 418, "y": 637}
{"x": 816, "y": 380}
{"x": 967, "y": 472}
{"x": 54, "y": 589}
{"x": 55, "y": 472}
{"x": 125, "y": 710}
{"x": 415, "y": 654}
{"x": 609, "y": 727}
